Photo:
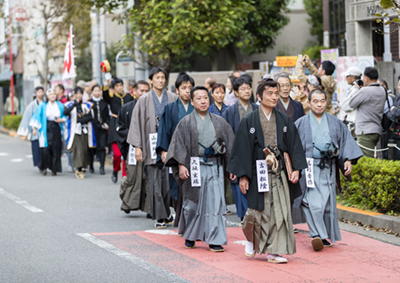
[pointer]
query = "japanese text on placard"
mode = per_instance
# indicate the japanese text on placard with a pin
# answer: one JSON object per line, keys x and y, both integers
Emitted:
{"x": 262, "y": 176}
{"x": 195, "y": 171}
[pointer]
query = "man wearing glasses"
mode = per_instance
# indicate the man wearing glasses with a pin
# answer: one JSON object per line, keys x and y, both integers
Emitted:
{"x": 294, "y": 109}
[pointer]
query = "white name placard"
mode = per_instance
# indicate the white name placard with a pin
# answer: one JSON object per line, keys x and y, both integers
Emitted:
{"x": 195, "y": 171}
{"x": 131, "y": 156}
{"x": 310, "y": 173}
{"x": 153, "y": 144}
{"x": 262, "y": 176}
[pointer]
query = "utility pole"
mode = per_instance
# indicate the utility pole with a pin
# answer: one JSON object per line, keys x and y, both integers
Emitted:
{"x": 11, "y": 65}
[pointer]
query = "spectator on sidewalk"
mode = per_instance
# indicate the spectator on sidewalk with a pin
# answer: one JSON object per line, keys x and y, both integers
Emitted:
{"x": 394, "y": 115}
{"x": 8, "y": 106}
{"x": 353, "y": 76}
{"x": 325, "y": 71}
{"x": 369, "y": 102}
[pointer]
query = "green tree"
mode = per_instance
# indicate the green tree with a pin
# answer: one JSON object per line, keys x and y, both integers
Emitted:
{"x": 314, "y": 10}
{"x": 166, "y": 30}
{"x": 263, "y": 26}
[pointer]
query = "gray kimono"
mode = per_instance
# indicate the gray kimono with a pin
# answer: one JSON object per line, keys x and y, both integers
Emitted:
{"x": 143, "y": 124}
{"x": 203, "y": 208}
{"x": 319, "y": 203}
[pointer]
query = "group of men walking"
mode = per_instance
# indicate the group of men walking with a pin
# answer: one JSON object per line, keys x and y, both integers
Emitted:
{"x": 176, "y": 153}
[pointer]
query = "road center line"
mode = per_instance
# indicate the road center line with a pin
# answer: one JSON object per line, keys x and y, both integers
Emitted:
{"x": 20, "y": 201}
{"x": 166, "y": 275}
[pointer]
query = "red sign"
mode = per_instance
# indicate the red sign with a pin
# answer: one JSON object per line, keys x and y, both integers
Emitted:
{"x": 21, "y": 14}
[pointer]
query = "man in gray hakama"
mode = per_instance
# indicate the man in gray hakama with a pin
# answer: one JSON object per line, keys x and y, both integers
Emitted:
{"x": 208, "y": 137}
{"x": 328, "y": 145}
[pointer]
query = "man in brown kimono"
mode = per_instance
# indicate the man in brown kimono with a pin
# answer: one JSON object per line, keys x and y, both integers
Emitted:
{"x": 267, "y": 224}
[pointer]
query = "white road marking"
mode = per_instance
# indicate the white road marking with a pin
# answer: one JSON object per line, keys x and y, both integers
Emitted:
{"x": 29, "y": 156}
{"x": 20, "y": 201}
{"x": 162, "y": 232}
{"x": 167, "y": 276}
{"x": 3, "y": 154}
{"x": 16, "y": 160}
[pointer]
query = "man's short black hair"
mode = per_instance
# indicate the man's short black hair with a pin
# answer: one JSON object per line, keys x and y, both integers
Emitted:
{"x": 248, "y": 77}
{"x": 371, "y": 73}
{"x": 183, "y": 78}
{"x": 241, "y": 81}
{"x": 329, "y": 67}
{"x": 116, "y": 81}
{"x": 142, "y": 82}
{"x": 262, "y": 85}
{"x": 156, "y": 70}
{"x": 195, "y": 89}
{"x": 38, "y": 87}
{"x": 61, "y": 86}
{"x": 317, "y": 91}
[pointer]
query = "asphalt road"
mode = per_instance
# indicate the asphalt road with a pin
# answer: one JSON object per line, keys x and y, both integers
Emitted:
{"x": 46, "y": 224}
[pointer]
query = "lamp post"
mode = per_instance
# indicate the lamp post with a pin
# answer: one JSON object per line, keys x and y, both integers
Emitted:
{"x": 11, "y": 65}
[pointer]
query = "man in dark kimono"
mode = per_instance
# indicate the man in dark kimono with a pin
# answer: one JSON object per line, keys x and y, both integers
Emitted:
{"x": 143, "y": 136}
{"x": 101, "y": 122}
{"x": 173, "y": 113}
{"x": 233, "y": 115}
{"x": 267, "y": 224}
{"x": 116, "y": 100}
{"x": 133, "y": 191}
{"x": 198, "y": 153}
{"x": 328, "y": 145}
{"x": 293, "y": 108}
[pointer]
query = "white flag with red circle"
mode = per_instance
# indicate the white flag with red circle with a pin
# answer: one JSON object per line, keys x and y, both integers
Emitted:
{"x": 69, "y": 62}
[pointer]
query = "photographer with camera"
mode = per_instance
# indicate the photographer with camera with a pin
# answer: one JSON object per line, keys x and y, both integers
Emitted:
{"x": 353, "y": 78}
{"x": 369, "y": 102}
{"x": 325, "y": 71}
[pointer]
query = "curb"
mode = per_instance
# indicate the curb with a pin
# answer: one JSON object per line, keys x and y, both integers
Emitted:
{"x": 11, "y": 133}
{"x": 376, "y": 220}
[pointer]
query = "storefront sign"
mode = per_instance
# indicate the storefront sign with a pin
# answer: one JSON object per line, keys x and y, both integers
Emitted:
{"x": 286, "y": 61}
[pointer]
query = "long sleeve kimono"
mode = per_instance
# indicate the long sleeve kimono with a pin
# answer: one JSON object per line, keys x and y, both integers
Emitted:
{"x": 25, "y": 130}
{"x": 173, "y": 113}
{"x": 143, "y": 123}
{"x": 73, "y": 121}
{"x": 325, "y": 225}
{"x": 122, "y": 127}
{"x": 39, "y": 121}
{"x": 204, "y": 208}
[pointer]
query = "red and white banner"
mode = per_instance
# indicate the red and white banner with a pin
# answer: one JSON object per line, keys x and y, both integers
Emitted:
{"x": 69, "y": 62}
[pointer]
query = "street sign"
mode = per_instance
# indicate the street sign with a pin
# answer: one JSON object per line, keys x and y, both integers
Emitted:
{"x": 125, "y": 65}
{"x": 21, "y": 14}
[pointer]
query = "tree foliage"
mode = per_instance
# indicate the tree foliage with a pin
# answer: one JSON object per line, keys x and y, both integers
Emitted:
{"x": 167, "y": 29}
{"x": 263, "y": 25}
{"x": 314, "y": 10}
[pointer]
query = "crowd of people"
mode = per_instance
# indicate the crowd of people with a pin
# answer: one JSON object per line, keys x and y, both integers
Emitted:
{"x": 275, "y": 154}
